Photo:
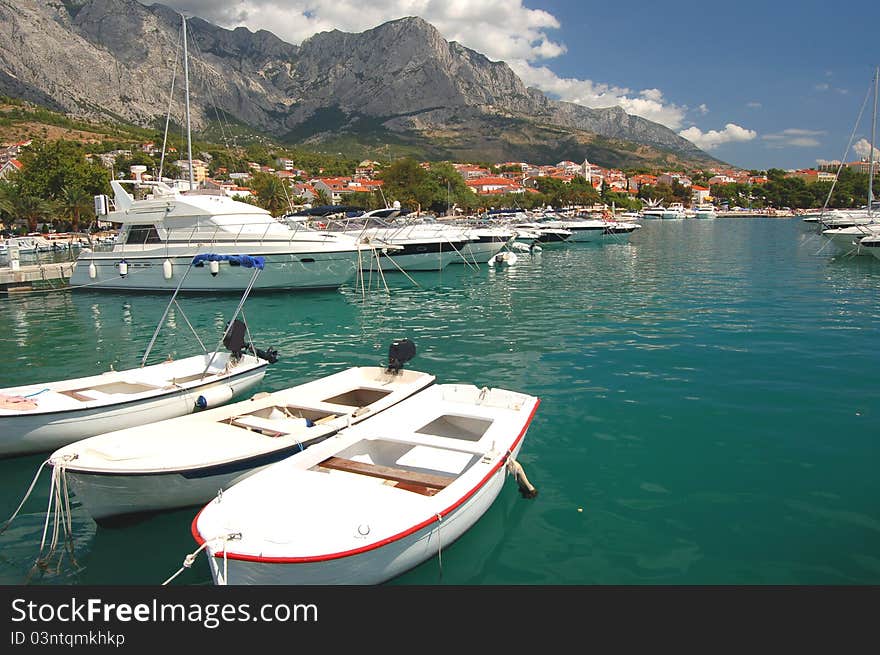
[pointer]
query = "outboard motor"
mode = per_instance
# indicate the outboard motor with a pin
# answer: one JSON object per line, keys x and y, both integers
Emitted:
{"x": 399, "y": 353}
{"x": 270, "y": 354}
{"x": 234, "y": 340}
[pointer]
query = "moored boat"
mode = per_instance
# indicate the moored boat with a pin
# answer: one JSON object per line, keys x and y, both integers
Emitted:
{"x": 376, "y": 499}
{"x": 185, "y": 461}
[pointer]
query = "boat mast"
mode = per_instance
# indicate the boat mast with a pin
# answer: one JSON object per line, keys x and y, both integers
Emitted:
{"x": 873, "y": 131}
{"x": 188, "y": 128}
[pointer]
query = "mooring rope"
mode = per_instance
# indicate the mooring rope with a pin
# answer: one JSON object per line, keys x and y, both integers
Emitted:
{"x": 59, "y": 510}
{"x": 191, "y": 557}
{"x": 439, "y": 546}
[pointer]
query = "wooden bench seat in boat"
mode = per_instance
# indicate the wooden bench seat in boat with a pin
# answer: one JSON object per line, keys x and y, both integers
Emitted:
{"x": 100, "y": 391}
{"x": 274, "y": 427}
{"x": 402, "y": 476}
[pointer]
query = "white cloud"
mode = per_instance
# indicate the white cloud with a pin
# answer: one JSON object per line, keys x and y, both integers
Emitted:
{"x": 754, "y": 105}
{"x": 862, "y": 148}
{"x": 703, "y": 109}
{"x": 714, "y": 138}
{"x": 793, "y": 137}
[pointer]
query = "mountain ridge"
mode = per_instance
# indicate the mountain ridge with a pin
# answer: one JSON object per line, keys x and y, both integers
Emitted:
{"x": 398, "y": 84}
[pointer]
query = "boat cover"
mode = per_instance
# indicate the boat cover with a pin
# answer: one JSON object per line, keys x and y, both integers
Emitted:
{"x": 242, "y": 260}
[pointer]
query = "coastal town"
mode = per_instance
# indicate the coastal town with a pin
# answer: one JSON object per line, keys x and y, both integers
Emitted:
{"x": 503, "y": 184}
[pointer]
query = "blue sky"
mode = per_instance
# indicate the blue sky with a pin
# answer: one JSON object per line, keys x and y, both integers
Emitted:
{"x": 758, "y": 84}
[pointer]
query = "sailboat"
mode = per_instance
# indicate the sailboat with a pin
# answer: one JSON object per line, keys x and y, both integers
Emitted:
{"x": 862, "y": 237}
{"x": 160, "y": 234}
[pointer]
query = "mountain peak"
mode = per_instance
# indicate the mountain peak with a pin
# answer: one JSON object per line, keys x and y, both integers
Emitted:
{"x": 399, "y": 83}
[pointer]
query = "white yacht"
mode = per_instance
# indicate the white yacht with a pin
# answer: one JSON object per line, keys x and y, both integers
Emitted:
{"x": 675, "y": 210}
{"x": 850, "y": 240}
{"x": 870, "y": 245}
{"x": 595, "y": 230}
{"x": 161, "y": 230}
{"x": 391, "y": 243}
{"x": 705, "y": 210}
{"x": 160, "y": 234}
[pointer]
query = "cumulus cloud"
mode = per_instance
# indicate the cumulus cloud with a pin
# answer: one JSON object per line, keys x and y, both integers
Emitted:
{"x": 862, "y": 148}
{"x": 503, "y": 30}
{"x": 793, "y": 137}
{"x": 714, "y": 138}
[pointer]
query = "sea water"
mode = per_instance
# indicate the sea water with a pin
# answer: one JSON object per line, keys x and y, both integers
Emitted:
{"x": 710, "y": 405}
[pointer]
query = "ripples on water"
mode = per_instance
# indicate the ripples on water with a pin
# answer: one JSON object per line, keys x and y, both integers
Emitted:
{"x": 709, "y": 403}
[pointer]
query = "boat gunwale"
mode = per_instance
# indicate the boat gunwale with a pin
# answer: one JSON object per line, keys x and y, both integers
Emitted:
{"x": 103, "y": 403}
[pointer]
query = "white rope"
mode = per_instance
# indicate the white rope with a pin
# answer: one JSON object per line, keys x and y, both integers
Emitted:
{"x": 60, "y": 512}
{"x": 191, "y": 557}
{"x": 439, "y": 546}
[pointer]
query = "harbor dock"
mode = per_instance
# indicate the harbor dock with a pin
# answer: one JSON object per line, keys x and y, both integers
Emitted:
{"x": 35, "y": 277}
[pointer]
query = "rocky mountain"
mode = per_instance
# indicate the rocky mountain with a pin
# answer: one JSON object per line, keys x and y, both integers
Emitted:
{"x": 399, "y": 86}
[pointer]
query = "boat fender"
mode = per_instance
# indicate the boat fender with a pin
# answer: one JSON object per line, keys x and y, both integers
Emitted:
{"x": 525, "y": 487}
{"x": 167, "y": 269}
{"x": 123, "y": 268}
{"x": 214, "y": 397}
{"x": 214, "y": 267}
{"x": 93, "y": 270}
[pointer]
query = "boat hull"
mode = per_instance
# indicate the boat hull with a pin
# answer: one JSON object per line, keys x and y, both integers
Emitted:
{"x": 480, "y": 252}
{"x": 147, "y": 272}
{"x": 430, "y": 258}
{"x": 25, "y": 433}
{"x": 846, "y": 241}
{"x": 111, "y": 497}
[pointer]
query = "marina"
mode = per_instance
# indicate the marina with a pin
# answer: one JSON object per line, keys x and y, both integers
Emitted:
{"x": 703, "y": 418}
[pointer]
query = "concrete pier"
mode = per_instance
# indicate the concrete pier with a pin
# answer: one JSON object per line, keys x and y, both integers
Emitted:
{"x": 34, "y": 277}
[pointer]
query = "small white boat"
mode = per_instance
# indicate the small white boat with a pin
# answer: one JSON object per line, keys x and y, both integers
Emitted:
{"x": 185, "y": 461}
{"x": 44, "y": 416}
{"x": 705, "y": 210}
{"x": 871, "y": 245}
{"x": 376, "y": 499}
{"x": 596, "y": 230}
{"x": 547, "y": 233}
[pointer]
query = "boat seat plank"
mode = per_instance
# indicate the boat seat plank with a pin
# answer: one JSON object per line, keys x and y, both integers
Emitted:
{"x": 387, "y": 472}
{"x": 76, "y": 395}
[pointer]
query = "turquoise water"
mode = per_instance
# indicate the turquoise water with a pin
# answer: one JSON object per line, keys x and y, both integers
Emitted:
{"x": 710, "y": 408}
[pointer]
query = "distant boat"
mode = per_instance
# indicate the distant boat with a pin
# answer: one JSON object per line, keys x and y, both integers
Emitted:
{"x": 849, "y": 237}
{"x": 375, "y": 500}
{"x": 705, "y": 210}
{"x": 674, "y": 210}
{"x": 595, "y": 230}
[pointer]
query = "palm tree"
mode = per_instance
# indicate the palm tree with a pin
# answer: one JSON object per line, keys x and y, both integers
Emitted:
{"x": 6, "y": 193}
{"x": 272, "y": 193}
{"x": 73, "y": 202}
{"x": 19, "y": 205}
{"x": 33, "y": 209}
{"x": 322, "y": 197}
